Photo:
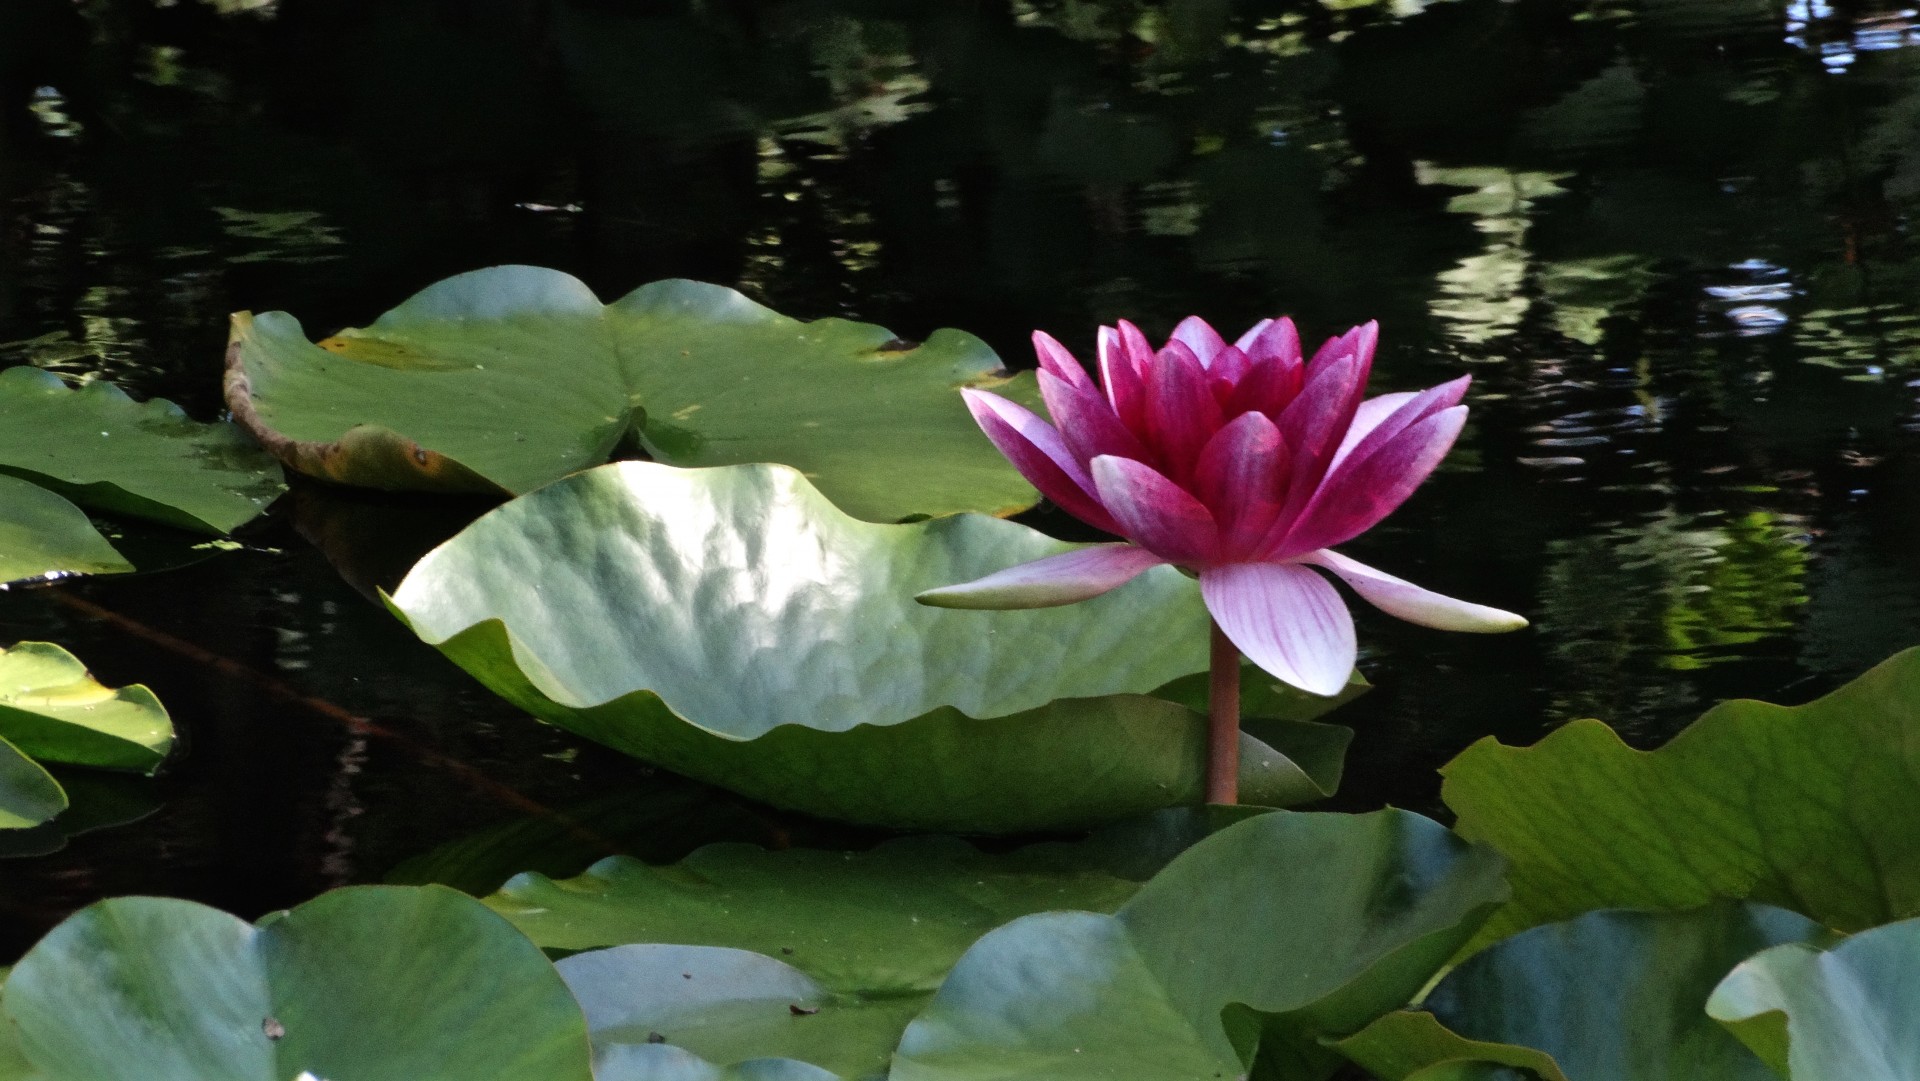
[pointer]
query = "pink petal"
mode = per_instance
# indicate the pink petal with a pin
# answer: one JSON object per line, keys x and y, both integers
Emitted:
{"x": 1041, "y": 456}
{"x": 1121, "y": 377}
{"x": 1196, "y": 335}
{"x": 1404, "y": 600}
{"x": 1055, "y": 358}
{"x": 1229, "y": 366}
{"x": 1314, "y": 422}
{"x": 1365, "y": 490}
{"x": 1061, "y": 579}
{"x": 1365, "y": 419}
{"x": 1380, "y": 419}
{"x": 1268, "y": 387}
{"x": 1087, "y": 422}
{"x": 1270, "y": 341}
{"x": 1154, "y": 512}
{"x": 1181, "y": 412}
{"x": 1239, "y": 477}
{"x": 1286, "y": 619}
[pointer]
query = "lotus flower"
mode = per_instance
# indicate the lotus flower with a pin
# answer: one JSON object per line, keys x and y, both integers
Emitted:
{"x": 1241, "y": 463}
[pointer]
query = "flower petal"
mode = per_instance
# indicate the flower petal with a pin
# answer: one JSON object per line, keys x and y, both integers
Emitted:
{"x": 1380, "y": 419}
{"x": 1121, "y": 377}
{"x": 1181, "y": 411}
{"x": 1055, "y": 358}
{"x": 1314, "y": 423}
{"x": 1044, "y": 583}
{"x": 1286, "y": 619}
{"x": 1154, "y": 512}
{"x": 1272, "y": 341}
{"x": 1239, "y": 477}
{"x": 1041, "y": 456}
{"x": 1365, "y": 490}
{"x": 1087, "y": 422}
{"x": 1197, "y": 335}
{"x": 1404, "y": 600}
{"x": 1225, "y": 371}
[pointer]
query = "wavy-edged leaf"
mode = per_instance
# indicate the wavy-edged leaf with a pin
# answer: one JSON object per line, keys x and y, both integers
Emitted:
{"x": 1610, "y": 996}
{"x": 102, "y": 449}
{"x": 735, "y": 626}
{"x": 1806, "y": 807}
{"x": 29, "y": 796}
{"x": 42, "y": 535}
{"x": 1269, "y": 935}
{"x": 1850, "y": 1012}
{"x": 51, "y": 707}
{"x": 507, "y": 378}
{"x": 372, "y": 983}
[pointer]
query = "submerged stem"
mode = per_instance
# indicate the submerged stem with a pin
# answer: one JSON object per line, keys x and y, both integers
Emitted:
{"x": 1223, "y": 721}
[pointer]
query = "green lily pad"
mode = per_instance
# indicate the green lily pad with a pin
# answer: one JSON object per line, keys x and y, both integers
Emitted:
{"x": 665, "y": 1062}
{"x": 1809, "y": 808}
{"x": 53, "y": 709}
{"x": 1611, "y": 996}
{"x": 1850, "y": 1012}
{"x": 102, "y": 449}
{"x": 29, "y": 796}
{"x": 733, "y": 625}
{"x": 508, "y": 378}
{"x": 95, "y": 801}
{"x": 372, "y": 983}
{"x": 887, "y": 921}
{"x": 1269, "y": 935}
{"x": 1412, "y": 1045}
{"x": 43, "y": 535}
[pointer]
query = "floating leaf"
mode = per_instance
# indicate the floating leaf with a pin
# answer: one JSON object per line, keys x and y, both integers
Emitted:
{"x": 102, "y": 449}
{"x": 95, "y": 801}
{"x": 53, "y": 709}
{"x": 1808, "y": 807}
{"x": 1273, "y": 933}
{"x": 371, "y": 983}
{"x": 1611, "y": 996}
{"x": 42, "y": 534}
{"x": 1411, "y": 1045}
{"x": 507, "y": 378}
{"x": 733, "y": 625}
{"x": 665, "y": 1062}
{"x": 29, "y": 795}
{"x": 1850, "y": 1012}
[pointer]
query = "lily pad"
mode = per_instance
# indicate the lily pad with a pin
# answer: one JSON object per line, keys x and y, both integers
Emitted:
{"x": 733, "y": 625}
{"x": 508, "y": 378}
{"x": 1849, "y": 1012}
{"x": 29, "y": 796}
{"x": 101, "y": 449}
{"x": 1265, "y": 937}
{"x": 43, "y": 535}
{"x": 53, "y": 709}
{"x": 1611, "y": 996}
{"x": 372, "y": 983}
{"x": 665, "y": 1062}
{"x": 1808, "y": 807}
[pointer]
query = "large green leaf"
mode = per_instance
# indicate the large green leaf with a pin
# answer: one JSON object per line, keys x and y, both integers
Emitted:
{"x": 1271, "y": 934}
{"x": 372, "y": 983}
{"x": 1611, "y": 996}
{"x": 29, "y": 795}
{"x": 43, "y": 535}
{"x": 733, "y": 625}
{"x": 1850, "y": 1012}
{"x": 102, "y": 449}
{"x": 53, "y": 709}
{"x": 1809, "y": 807}
{"x": 891, "y": 920}
{"x": 514, "y": 376}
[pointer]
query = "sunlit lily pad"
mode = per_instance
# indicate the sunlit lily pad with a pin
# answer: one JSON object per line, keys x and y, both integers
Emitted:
{"x": 53, "y": 709}
{"x": 733, "y": 625}
{"x": 29, "y": 796}
{"x": 1810, "y": 808}
{"x": 1611, "y": 996}
{"x": 507, "y": 378}
{"x": 373, "y": 983}
{"x": 1850, "y": 1012}
{"x": 1266, "y": 937}
{"x": 102, "y": 449}
{"x": 43, "y": 535}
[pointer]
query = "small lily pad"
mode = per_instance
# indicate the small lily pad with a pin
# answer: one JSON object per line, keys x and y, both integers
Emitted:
{"x": 53, "y": 709}
{"x": 29, "y": 796}
{"x": 508, "y": 378}
{"x": 43, "y": 535}
{"x": 101, "y": 449}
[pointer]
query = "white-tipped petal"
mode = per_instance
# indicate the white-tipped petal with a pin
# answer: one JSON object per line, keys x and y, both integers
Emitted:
{"x": 1067, "y": 578}
{"x": 1404, "y": 600}
{"x": 1286, "y": 619}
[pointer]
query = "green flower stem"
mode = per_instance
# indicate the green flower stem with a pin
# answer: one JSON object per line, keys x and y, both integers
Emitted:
{"x": 1223, "y": 721}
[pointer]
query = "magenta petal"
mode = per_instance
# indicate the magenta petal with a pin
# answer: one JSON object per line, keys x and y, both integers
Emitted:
{"x": 1121, "y": 377}
{"x": 1055, "y": 358}
{"x": 1314, "y": 423}
{"x": 1181, "y": 411}
{"x": 1041, "y": 456}
{"x": 1404, "y": 600}
{"x": 1267, "y": 388}
{"x": 1087, "y": 422}
{"x": 1365, "y": 419}
{"x": 1272, "y": 341}
{"x": 1239, "y": 478}
{"x": 1381, "y": 419}
{"x": 1365, "y": 490}
{"x": 1286, "y": 619}
{"x": 1066, "y": 578}
{"x": 1205, "y": 341}
{"x": 1228, "y": 367}
{"x": 1154, "y": 512}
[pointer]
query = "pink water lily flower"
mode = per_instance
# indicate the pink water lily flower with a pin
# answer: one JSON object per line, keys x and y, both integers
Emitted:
{"x": 1242, "y": 463}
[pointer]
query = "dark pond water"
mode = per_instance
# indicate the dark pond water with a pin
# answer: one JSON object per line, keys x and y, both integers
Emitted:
{"x": 1668, "y": 237}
